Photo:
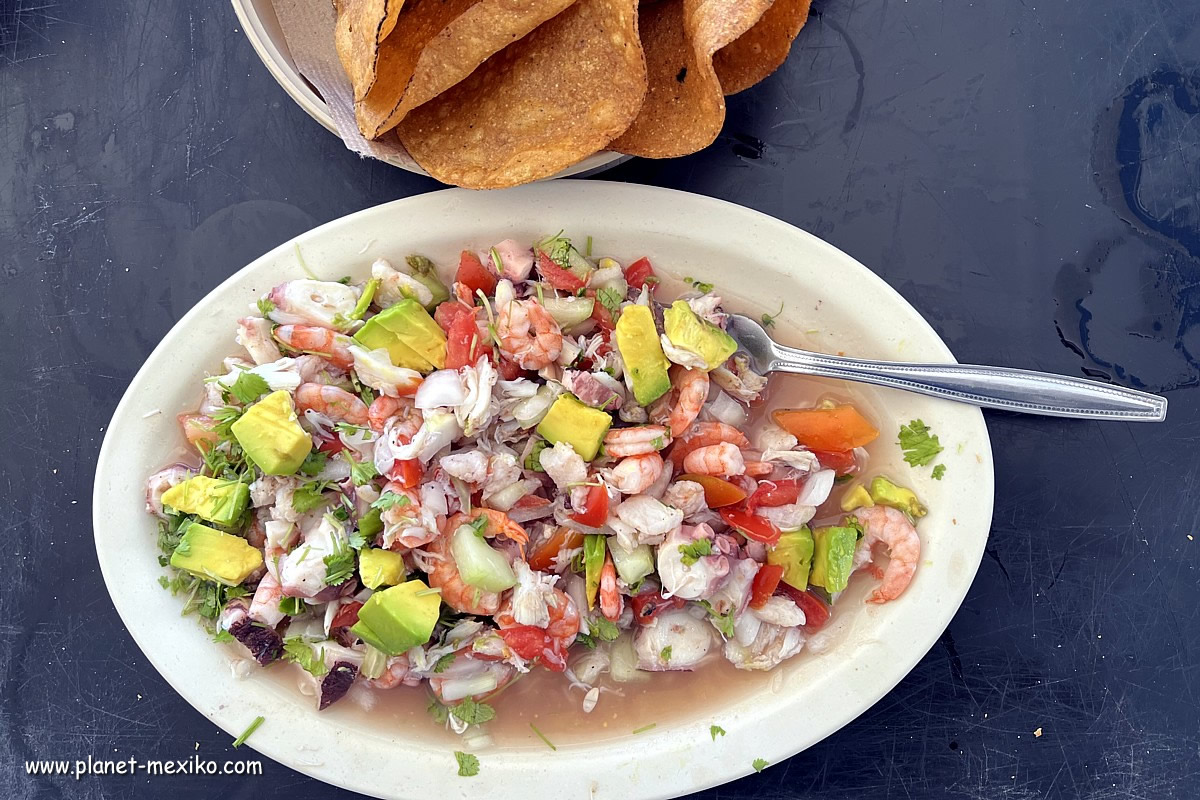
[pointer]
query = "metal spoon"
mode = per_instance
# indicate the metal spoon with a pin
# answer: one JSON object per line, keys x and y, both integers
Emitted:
{"x": 991, "y": 387}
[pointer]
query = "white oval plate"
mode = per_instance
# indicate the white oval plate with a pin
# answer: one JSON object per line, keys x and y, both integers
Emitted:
{"x": 266, "y": 37}
{"x": 758, "y": 258}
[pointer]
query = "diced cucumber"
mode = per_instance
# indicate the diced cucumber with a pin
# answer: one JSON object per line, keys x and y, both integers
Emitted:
{"x": 632, "y": 565}
{"x": 623, "y": 666}
{"x": 479, "y": 564}
{"x": 569, "y": 311}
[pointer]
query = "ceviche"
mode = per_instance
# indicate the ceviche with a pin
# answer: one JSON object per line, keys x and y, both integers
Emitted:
{"x": 544, "y": 465}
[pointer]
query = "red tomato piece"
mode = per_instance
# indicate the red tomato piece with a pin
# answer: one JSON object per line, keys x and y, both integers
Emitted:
{"x": 509, "y": 371}
{"x": 463, "y": 345}
{"x": 346, "y": 616}
{"x": 331, "y": 446}
{"x": 474, "y": 275}
{"x": 526, "y": 641}
{"x": 406, "y": 473}
{"x": 750, "y": 526}
{"x": 816, "y": 613}
{"x": 718, "y": 492}
{"x": 842, "y": 462}
{"x": 603, "y": 318}
{"x": 562, "y": 279}
{"x": 766, "y": 581}
{"x": 776, "y": 493}
{"x": 446, "y": 313}
{"x": 595, "y": 508}
{"x": 639, "y": 273}
{"x": 649, "y": 605}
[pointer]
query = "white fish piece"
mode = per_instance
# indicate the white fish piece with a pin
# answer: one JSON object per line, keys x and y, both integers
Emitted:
{"x": 395, "y": 285}
{"x": 688, "y": 638}
{"x": 564, "y": 466}
{"x": 308, "y": 302}
{"x": 699, "y": 579}
{"x": 651, "y": 518}
{"x": 254, "y": 334}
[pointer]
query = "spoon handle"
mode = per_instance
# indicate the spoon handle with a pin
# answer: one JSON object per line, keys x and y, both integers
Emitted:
{"x": 1018, "y": 390}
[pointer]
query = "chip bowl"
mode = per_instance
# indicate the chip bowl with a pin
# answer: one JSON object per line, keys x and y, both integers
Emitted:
{"x": 266, "y": 36}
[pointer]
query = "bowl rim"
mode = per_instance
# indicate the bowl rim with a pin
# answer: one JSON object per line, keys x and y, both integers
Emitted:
{"x": 748, "y": 729}
{"x": 278, "y": 62}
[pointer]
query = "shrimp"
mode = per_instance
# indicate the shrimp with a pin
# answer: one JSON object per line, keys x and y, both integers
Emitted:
{"x": 264, "y": 607}
{"x": 254, "y": 334}
{"x": 722, "y": 458}
{"x": 384, "y": 408}
{"x": 307, "y": 302}
{"x": 759, "y": 469}
{"x": 702, "y": 434}
{"x": 198, "y": 430}
{"x": 455, "y": 592}
{"x": 335, "y": 403}
{"x": 611, "y": 604}
{"x": 636, "y": 441}
{"x": 330, "y": 345}
{"x": 887, "y": 526}
{"x": 404, "y": 524}
{"x": 550, "y": 641}
{"x": 528, "y": 334}
{"x": 394, "y": 673}
{"x": 687, "y": 496}
{"x": 157, "y": 485}
{"x": 680, "y": 407}
{"x": 636, "y": 474}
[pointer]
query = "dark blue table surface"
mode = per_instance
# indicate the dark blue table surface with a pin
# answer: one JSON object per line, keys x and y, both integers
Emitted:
{"x": 1025, "y": 172}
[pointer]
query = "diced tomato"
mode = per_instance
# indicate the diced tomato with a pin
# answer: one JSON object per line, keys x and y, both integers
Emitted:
{"x": 649, "y": 605}
{"x": 406, "y": 473}
{"x": 562, "y": 279}
{"x": 834, "y": 428}
{"x": 776, "y": 493}
{"x": 542, "y": 558}
{"x": 346, "y": 616}
{"x": 750, "y": 526}
{"x": 331, "y": 446}
{"x": 766, "y": 581}
{"x": 842, "y": 462}
{"x": 639, "y": 273}
{"x": 526, "y": 641}
{"x": 603, "y": 318}
{"x": 509, "y": 371}
{"x": 474, "y": 275}
{"x": 446, "y": 313}
{"x": 595, "y": 508}
{"x": 816, "y": 613}
{"x": 718, "y": 492}
{"x": 463, "y": 345}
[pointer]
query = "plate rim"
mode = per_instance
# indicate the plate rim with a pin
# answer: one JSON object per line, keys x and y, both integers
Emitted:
{"x": 524, "y": 762}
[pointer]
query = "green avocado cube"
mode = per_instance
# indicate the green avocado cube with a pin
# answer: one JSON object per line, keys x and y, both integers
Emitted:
{"x": 833, "y": 557}
{"x": 219, "y": 501}
{"x": 271, "y": 436}
{"x": 886, "y": 493}
{"x": 688, "y": 332}
{"x": 380, "y": 567}
{"x": 645, "y": 362}
{"x": 793, "y": 552}
{"x": 215, "y": 556}
{"x": 409, "y": 334}
{"x": 398, "y": 618}
{"x": 579, "y": 425}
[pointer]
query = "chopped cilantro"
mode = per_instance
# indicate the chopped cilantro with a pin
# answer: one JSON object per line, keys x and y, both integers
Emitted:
{"x": 249, "y": 387}
{"x": 314, "y": 462}
{"x": 443, "y": 663}
{"x": 339, "y": 565}
{"x": 533, "y": 461}
{"x": 610, "y": 298}
{"x": 350, "y": 430}
{"x": 468, "y": 765}
{"x": 438, "y": 711}
{"x": 296, "y": 650}
{"x": 769, "y": 319}
{"x": 918, "y": 445}
{"x": 542, "y": 736}
{"x": 691, "y": 553}
{"x": 665, "y": 654}
{"x": 390, "y": 500}
{"x": 361, "y": 472}
{"x": 604, "y": 629}
{"x": 292, "y": 606}
{"x": 239, "y": 741}
{"x": 645, "y": 728}
{"x": 939, "y": 471}
{"x": 715, "y": 731}
{"x": 224, "y": 419}
{"x": 223, "y": 636}
{"x": 558, "y": 248}
{"x": 479, "y": 525}
{"x": 699, "y": 286}
{"x": 265, "y": 306}
{"x": 585, "y": 640}
{"x": 310, "y": 495}
{"x": 760, "y": 764}
{"x": 473, "y": 713}
{"x": 723, "y": 622}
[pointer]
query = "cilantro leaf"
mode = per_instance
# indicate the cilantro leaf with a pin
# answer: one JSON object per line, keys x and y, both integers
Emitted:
{"x": 533, "y": 461}
{"x": 603, "y": 629}
{"x": 339, "y": 565}
{"x": 695, "y": 551}
{"x": 292, "y": 606}
{"x": 310, "y": 495}
{"x": 939, "y": 471}
{"x": 265, "y": 306}
{"x": 296, "y": 650}
{"x": 314, "y": 462}
{"x": 361, "y": 472}
{"x": 918, "y": 445}
{"x": 443, "y": 663}
{"x": 249, "y": 387}
{"x": 665, "y": 654}
{"x": 390, "y": 500}
{"x": 468, "y": 765}
{"x": 439, "y": 712}
{"x": 473, "y": 713}
{"x": 699, "y": 286}
{"x": 723, "y": 622}
{"x": 610, "y": 298}
{"x": 760, "y": 764}
{"x": 715, "y": 731}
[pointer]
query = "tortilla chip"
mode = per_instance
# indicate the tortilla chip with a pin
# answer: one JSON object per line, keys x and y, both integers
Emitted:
{"x": 438, "y": 43}
{"x": 761, "y": 50}
{"x": 539, "y": 105}
{"x": 361, "y": 26}
{"x": 685, "y": 107}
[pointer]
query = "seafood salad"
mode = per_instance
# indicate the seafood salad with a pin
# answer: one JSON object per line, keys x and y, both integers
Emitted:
{"x": 541, "y": 464}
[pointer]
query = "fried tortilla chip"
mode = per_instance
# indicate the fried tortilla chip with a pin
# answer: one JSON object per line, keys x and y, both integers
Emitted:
{"x": 685, "y": 107}
{"x": 438, "y": 43}
{"x": 539, "y": 105}
{"x": 759, "y": 51}
{"x": 362, "y": 25}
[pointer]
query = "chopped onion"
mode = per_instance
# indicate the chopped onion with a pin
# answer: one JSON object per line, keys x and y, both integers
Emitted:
{"x": 725, "y": 409}
{"x": 458, "y": 688}
{"x": 507, "y": 497}
{"x": 817, "y": 488}
{"x": 374, "y": 663}
{"x": 531, "y": 411}
{"x": 440, "y": 389}
{"x": 623, "y": 665}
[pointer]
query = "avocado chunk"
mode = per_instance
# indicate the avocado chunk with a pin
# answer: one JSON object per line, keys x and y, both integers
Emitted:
{"x": 398, "y": 618}
{"x": 688, "y": 332}
{"x": 645, "y": 362}
{"x": 215, "y": 556}
{"x": 409, "y": 334}
{"x": 886, "y": 493}
{"x": 857, "y": 497}
{"x": 632, "y": 565}
{"x": 219, "y": 501}
{"x": 793, "y": 552}
{"x": 271, "y": 436}
{"x": 380, "y": 567}
{"x": 833, "y": 557}
{"x": 579, "y": 425}
{"x": 424, "y": 271}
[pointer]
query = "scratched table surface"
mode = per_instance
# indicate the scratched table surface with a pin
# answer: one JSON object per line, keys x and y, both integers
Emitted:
{"x": 1026, "y": 173}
